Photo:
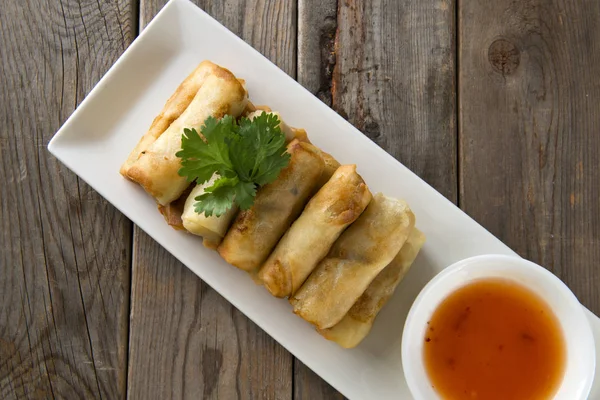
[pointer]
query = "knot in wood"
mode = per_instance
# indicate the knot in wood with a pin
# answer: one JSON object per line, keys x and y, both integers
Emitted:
{"x": 504, "y": 56}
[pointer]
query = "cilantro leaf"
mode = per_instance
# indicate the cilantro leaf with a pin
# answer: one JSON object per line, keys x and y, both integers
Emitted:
{"x": 244, "y": 155}
{"x": 217, "y": 202}
{"x": 218, "y": 198}
{"x": 201, "y": 156}
{"x": 270, "y": 168}
{"x": 244, "y": 194}
{"x": 259, "y": 146}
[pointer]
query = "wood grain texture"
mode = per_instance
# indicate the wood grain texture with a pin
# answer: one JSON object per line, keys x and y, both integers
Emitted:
{"x": 528, "y": 170}
{"x": 389, "y": 68}
{"x": 267, "y": 25}
{"x": 530, "y": 131}
{"x": 64, "y": 251}
{"x": 394, "y": 79}
{"x": 317, "y": 29}
{"x": 189, "y": 342}
{"x": 186, "y": 341}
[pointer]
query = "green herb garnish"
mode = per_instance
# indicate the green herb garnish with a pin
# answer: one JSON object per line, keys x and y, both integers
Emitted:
{"x": 245, "y": 155}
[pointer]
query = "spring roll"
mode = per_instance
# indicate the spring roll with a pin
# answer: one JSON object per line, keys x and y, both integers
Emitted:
{"x": 213, "y": 228}
{"x": 331, "y": 165}
{"x": 174, "y": 107}
{"x": 356, "y": 325}
{"x": 257, "y": 230}
{"x": 355, "y": 259}
{"x": 339, "y": 203}
{"x": 157, "y": 165}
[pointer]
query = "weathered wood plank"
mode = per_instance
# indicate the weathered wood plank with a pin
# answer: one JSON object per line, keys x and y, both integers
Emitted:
{"x": 189, "y": 342}
{"x": 530, "y": 131}
{"x": 267, "y": 25}
{"x": 64, "y": 251}
{"x": 389, "y": 68}
{"x": 317, "y": 30}
{"x": 186, "y": 340}
{"x": 394, "y": 79}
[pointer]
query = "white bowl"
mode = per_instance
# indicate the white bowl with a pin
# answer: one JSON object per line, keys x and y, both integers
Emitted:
{"x": 581, "y": 359}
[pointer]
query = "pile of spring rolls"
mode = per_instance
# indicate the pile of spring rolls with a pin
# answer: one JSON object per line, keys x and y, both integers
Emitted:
{"x": 315, "y": 235}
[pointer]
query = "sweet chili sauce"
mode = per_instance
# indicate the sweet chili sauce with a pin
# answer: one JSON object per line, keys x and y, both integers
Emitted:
{"x": 494, "y": 339}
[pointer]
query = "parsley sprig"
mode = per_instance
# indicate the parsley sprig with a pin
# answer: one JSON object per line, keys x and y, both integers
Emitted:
{"x": 245, "y": 155}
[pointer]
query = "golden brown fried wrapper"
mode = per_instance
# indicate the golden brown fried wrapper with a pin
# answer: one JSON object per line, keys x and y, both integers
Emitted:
{"x": 153, "y": 163}
{"x": 257, "y": 230}
{"x": 337, "y": 204}
{"x": 357, "y": 323}
{"x": 355, "y": 259}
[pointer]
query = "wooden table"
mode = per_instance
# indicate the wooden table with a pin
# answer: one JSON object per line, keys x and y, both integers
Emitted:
{"x": 494, "y": 103}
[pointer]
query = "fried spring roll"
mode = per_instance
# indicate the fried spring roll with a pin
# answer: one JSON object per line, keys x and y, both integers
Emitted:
{"x": 156, "y": 166}
{"x": 331, "y": 165}
{"x": 339, "y": 203}
{"x": 355, "y": 259}
{"x": 213, "y": 228}
{"x": 174, "y": 107}
{"x": 256, "y": 231}
{"x": 357, "y": 323}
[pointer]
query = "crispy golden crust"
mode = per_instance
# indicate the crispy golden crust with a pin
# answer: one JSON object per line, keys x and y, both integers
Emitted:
{"x": 336, "y": 205}
{"x": 256, "y": 231}
{"x": 300, "y": 134}
{"x": 357, "y": 323}
{"x": 355, "y": 259}
{"x": 331, "y": 165}
{"x": 174, "y": 107}
{"x": 156, "y": 168}
{"x": 263, "y": 108}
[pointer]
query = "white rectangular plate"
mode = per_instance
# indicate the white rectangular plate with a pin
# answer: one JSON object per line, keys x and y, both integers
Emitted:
{"x": 100, "y": 134}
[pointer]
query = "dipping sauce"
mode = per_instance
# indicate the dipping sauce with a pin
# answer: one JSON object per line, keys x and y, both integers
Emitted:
{"x": 494, "y": 339}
